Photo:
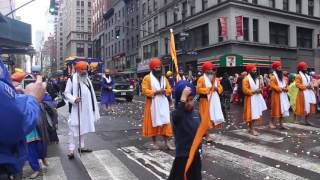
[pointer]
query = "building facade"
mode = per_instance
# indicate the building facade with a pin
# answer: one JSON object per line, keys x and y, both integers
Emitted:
{"x": 77, "y": 20}
{"x": 59, "y": 37}
{"x": 206, "y": 30}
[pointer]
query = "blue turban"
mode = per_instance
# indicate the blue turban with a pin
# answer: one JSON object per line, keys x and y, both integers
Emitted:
{"x": 180, "y": 87}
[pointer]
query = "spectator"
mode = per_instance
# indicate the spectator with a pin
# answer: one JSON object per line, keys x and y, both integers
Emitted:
{"x": 227, "y": 91}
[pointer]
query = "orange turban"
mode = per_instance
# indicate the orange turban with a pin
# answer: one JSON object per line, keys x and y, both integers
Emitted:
{"x": 276, "y": 64}
{"x": 81, "y": 65}
{"x": 207, "y": 66}
{"x": 154, "y": 63}
{"x": 302, "y": 65}
{"x": 18, "y": 76}
{"x": 249, "y": 67}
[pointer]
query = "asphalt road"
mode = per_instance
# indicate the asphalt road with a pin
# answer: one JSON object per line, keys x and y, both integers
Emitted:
{"x": 120, "y": 152}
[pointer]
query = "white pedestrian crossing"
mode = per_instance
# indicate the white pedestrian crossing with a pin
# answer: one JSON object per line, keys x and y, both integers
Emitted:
{"x": 247, "y": 167}
{"x": 103, "y": 165}
{"x": 54, "y": 170}
{"x": 302, "y": 127}
{"x": 272, "y": 153}
{"x": 155, "y": 161}
{"x": 262, "y": 137}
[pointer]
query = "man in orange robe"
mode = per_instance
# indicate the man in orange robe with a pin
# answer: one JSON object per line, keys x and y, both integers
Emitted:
{"x": 207, "y": 92}
{"x": 306, "y": 100}
{"x": 254, "y": 103}
{"x": 279, "y": 98}
{"x": 156, "y": 120}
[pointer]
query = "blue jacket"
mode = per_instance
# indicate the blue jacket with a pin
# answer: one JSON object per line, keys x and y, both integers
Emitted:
{"x": 19, "y": 115}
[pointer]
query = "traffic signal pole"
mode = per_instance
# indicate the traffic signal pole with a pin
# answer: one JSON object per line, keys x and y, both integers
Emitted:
{"x": 19, "y": 7}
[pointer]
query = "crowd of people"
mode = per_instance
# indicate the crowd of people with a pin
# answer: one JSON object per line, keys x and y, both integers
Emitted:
{"x": 169, "y": 109}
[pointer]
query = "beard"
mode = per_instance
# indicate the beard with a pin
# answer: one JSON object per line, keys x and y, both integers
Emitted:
{"x": 280, "y": 74}
{"x": 83, "y": 77}
{"x": 210, "y": 76}
{"x": 253, "y": 75}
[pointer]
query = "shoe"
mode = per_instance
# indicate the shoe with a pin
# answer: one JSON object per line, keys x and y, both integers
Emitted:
{"x": 84, "y": 150}
{"x": 35, "y": 175}
{"x": 70, "y": 156}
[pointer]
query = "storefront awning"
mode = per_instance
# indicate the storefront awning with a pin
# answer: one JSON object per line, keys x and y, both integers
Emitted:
{"x": 239, "y": 60}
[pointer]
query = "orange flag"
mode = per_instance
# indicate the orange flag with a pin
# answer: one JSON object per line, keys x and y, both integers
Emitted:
{"x": 201, "y": 131}
{"x": 174, "y": 53}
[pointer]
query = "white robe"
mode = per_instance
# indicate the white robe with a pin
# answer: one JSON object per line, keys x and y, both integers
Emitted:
{"x": 87, "y": 115}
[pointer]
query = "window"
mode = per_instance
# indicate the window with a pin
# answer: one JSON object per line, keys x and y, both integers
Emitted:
{"x": 89, "y": 4}
{"x": 204, "y": 5}
{"x": 166, "y": 44}
{"x": 89, "y": 50}
{"x": 298, "y": 6}
{"x": 123, "y": 44}
{"x": 137, "y": 41}
{"x": 132, "y": 42}
{"x": 155, "y": 4}
{"x": 128, "y": 44}
{"x": 246, "y": 29}
{"x": 286, "y": 5}
{"x": 192, "y": 10}
{"x": 82, "y": 3}
{"x": 175, "y": 16}
{"x": 205, "y": 35}
{"x": 144, "y": 29}
{"x": 272, "y": 3}
{"x": 115, "y": 48}
{"x": 255, "y": 30}
{"x": 80, "y": 49}
{"x": 78, "y": 3}
{"x": 304, "y": 37}
{"x": 278, "y": 33}
{"x": 149, "y": 27}
{"x": 137, "y": 25}
{"x": 149, "y": 6}
{"x": 144, "y": 9}
{"x": 184, "y": 10}
{"x": 310, "y": 7}
{"x": 254, "y": 1}
{"x": 165, "y": 18}
{"x": 155, "y": 23}
{"x": 165, "y": 2}
{"x": 220, "y": 39}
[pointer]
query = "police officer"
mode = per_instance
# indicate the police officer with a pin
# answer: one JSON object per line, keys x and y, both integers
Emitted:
{"x": 19, "y": 115}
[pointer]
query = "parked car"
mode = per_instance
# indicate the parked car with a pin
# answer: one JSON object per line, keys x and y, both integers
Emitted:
{"x": 122, "y": 88}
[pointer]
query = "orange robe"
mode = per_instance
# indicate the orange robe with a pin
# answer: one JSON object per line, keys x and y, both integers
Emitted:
{"x": 248, "y": 92}
{"x": 148, "y": 130}
{"x": 204, "y": 104}
{"x": 300, "y": 109}
{"x": 275, "y": 98}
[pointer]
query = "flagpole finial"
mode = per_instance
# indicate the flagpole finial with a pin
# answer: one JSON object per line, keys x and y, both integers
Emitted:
{"x": 171, "y": 30}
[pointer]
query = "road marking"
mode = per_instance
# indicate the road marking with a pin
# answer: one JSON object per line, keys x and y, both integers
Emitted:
{"x": 155, "y": 161}
{"x": 298, "y": 126}
{"x": 54, "y": 170}
{"x": 138, "y": 101}
{"x": 271, "y": 153}
{"x": 262, "y": 137}
{"x": 248, "y": 167}
{"x": 103, "y": 165}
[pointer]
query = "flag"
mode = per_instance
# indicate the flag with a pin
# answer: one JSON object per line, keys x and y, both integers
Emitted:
{"x": 239, "y": 21}
{"x": 174, "y": 54}
{"x": 223, "y": 25}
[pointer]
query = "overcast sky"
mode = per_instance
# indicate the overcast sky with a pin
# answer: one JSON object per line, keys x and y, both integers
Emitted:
{"x": 36, "y": 14}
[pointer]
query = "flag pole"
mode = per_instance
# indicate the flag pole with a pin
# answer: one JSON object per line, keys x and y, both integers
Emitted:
{"x": 79, "y": 95}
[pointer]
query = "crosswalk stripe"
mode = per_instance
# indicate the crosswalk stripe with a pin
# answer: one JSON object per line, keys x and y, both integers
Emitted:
{"x": 55, "y": 170}
{"x": 268, "y": 152}
{"x": 103, "y": 165}
{"x": 155, "y": 161}
{"x": 262, "y": 137}
{"x": 298, "y": 126}
{"x": 248, "y": 167}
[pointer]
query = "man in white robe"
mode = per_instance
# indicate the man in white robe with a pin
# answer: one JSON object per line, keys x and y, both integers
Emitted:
{"x": 80, "y": 93}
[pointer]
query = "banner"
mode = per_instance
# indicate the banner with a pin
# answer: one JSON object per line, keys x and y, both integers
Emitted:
{"x": 239, "y": 22}
{"x": 174, "y": 53}
{"x": 223, "y": 25}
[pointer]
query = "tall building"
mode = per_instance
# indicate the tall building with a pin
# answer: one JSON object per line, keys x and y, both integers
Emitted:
{"x": 122, "y": 36}
{"x": 59, "y": 26}
{"x": 76, "y": 23}
{"x": 39, "y": 40}
{"x": 231, "y": 32}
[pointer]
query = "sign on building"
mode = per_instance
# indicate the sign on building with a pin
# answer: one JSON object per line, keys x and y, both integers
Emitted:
{"x": 231, "y": 61}
{"x": 239, "y": 23}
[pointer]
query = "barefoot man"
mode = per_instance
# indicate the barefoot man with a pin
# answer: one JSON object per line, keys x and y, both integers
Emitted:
{"x": 254, "y": 103}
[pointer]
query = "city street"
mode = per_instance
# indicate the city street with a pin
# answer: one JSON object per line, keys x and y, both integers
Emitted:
{"x": 120, "y": 152}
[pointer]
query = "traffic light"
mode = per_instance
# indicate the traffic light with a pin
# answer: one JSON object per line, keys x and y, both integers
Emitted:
{"x": 53, "y": 9}
{"x": 117, "y": 32}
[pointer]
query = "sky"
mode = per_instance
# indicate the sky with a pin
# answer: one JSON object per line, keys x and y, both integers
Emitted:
{"x": 36, "y": 14}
